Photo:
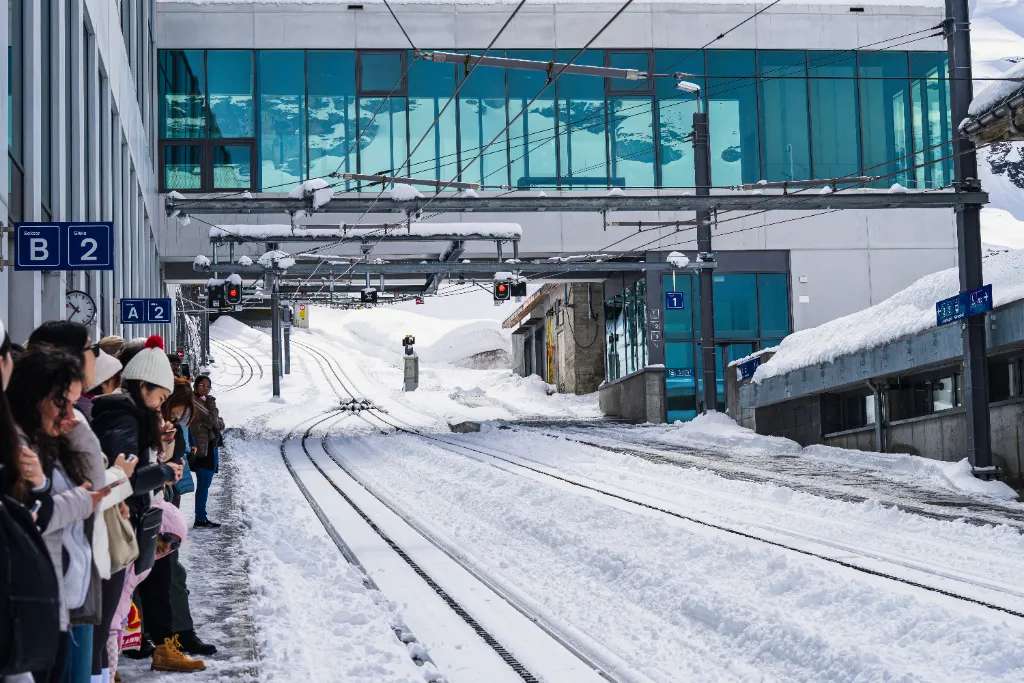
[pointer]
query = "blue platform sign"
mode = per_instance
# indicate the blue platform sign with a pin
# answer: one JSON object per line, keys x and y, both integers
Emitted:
{"x": 90, "y": 246}
{"x": 747, "y": 369}
{"x": 964, "y": 305}
{"x": 158, "y": 310}
{"x": 681, "y": 373}
{"x": 675, "y": 301}
{"x": 140, "y": 311}
{"x": 64, "y": 246}
{"x": 37, "y": 246}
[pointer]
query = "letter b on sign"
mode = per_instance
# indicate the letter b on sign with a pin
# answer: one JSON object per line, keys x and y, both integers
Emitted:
{"x": 37, "y": 247}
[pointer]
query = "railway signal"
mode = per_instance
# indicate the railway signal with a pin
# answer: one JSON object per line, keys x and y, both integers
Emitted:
{"x": 502, "y": 291}
{"x": 234, "y": 295}
{"x": 215, "y": 295}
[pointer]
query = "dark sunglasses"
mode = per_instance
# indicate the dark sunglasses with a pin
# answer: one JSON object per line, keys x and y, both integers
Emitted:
{"x": 95, "y": 348}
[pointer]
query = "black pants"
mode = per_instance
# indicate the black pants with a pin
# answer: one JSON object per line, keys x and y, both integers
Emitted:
{"x": 181, "y": 615}
{"x": 155, "y": 595}
{"x": 111, "y": 589}
{"x": 55, "y": 674}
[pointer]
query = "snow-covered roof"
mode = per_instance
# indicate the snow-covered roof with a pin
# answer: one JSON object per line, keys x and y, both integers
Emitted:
{"x": 997, "y": 91}
{"x": 281, "y": 232}
{"x": 907, "y": 312}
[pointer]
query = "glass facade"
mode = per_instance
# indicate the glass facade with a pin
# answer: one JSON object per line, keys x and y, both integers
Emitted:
{"x": 773, "y": 114}
{"x": 751, "y": 313}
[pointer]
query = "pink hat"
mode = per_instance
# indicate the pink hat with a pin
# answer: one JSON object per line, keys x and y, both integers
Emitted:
{"x": 173, "y": 521}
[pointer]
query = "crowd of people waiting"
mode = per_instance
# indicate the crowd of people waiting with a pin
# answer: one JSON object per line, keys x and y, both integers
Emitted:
{"x": 98, "y": 443}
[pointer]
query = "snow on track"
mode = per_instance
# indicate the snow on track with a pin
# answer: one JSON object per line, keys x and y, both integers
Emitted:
{"x": 681, "y": 602}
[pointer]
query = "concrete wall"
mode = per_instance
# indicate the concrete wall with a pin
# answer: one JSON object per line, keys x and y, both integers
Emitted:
{"x": 112, "y": 130}
{"x": 639, "y": 397}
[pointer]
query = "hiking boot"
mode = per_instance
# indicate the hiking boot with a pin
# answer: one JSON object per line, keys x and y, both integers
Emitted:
{"x": 145, "y": 650}
{"x": 190, "y": 644}
{"x": 169, "y": 657}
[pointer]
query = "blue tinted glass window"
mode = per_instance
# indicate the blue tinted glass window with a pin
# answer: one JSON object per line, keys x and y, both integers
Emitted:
{"x": 675, "y": 114}
{"x": 381, "y": 73}
{"x": 773, "y": 304}
{"x": 835, "y": 134}
{"x": 735, "y": 306}
{"x": 282, "y": 118}
{"x": 631, "y": 141}
{"x": 615, "y": 337}
{"x": 183, "y": 167}
{"x": 784, "y": 134}
{"x": 183, "y": 94}
{"x": 581, "y": 125}
{"x": 679, "y": 322}
{"x": 930, "y": 112}
{"x": 481, "y": 118}
{"x": 230, "y": 85}
{"x": 680, "y": 381}
{"x": 532, "y": 135}
{"x": 331, "y": 112}
{"x": 382, "y": 135}
{"x": 430, "y": 86}
{"x": 885, "y": 116}
{"x": 232, "y": 167}
{"x": 732, "y": 116}
{"x": 629, "y": 60}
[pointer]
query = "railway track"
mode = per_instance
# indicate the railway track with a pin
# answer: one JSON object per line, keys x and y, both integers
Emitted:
{"x": 835, "y": 554}
{"x": 374, "y": 417}
{"x": 247, "y": 365}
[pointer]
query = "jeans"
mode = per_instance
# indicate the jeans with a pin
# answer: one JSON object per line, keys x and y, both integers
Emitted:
{"x": 79, "y": 661}
{"x": 203, "y": 480}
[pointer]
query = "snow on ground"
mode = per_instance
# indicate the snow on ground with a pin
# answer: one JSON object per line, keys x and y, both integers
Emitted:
{"x": 682, "y": 602}
{"x": 907, "y": 312}
{"x": 1000, "y": 228}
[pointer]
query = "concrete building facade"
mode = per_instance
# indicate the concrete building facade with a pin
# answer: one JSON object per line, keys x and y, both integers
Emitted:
{"x": 81, "y": 143}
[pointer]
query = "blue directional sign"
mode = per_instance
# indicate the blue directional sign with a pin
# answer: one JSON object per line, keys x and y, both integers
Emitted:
{"x": 37, "y": 246}
{"x": 964, "y": 305}
{"x": 64, "y": 246}
{"x": 158, "y": 310}
{"x": 133, "y": 311}
{"x": 681, "y": 373}
{"x": 747, "y": 369}
{"x": 675, "y": 301}
{"x": 90, "y": 246}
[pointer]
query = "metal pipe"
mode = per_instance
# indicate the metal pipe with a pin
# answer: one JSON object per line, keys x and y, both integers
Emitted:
{"x": 705, "y": 256}
{"x": 275, "y": 335}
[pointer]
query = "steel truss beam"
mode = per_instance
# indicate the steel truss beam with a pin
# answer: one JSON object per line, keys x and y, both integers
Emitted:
{"x": 395, "y": 234}
{"x": 573, "y": 202}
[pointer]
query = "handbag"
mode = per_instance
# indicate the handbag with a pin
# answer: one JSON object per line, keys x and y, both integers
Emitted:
{"x": 124, "y": 548}
{"x": 149, "y": 529}
{"x": 186, "y": 484}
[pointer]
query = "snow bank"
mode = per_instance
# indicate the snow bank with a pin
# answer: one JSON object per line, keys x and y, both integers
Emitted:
{"x": 997, "y": 91}
{"x": 955, "y": 476}
{"x": 1000, "y": 227}
{"x": 907, "y": 312}
{"x": 721, "y": 431}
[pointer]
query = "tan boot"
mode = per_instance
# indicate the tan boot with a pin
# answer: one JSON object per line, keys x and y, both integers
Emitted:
{"x": 169, "y": 657}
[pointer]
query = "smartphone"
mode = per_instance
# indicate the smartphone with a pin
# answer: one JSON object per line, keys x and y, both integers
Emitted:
{"x": 36, "y": 507}
{"x": 110, "y": 487}
{"x": 131, "y": 457}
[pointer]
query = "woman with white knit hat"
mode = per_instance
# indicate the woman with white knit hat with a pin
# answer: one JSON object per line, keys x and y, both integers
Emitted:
{"x": 130, "y": 422}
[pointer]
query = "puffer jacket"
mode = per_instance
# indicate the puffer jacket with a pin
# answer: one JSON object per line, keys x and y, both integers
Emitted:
{"x": 120, "y": 425}
{"x": 203, "y": 430}
{"x": 87, "y": 447}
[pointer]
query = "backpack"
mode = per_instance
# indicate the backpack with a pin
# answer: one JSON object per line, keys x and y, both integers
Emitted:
{"x": 29, "y": 602}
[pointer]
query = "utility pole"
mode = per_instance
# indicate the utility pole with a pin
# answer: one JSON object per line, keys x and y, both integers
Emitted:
{"x": 275, "y": 332}
{"x": 968, "y": 235}
{"x": 204, "y": 339}
{"x": 705, "y": 260}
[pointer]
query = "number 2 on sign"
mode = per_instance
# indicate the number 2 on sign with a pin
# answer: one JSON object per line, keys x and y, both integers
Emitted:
{"x": 90, "y": 245}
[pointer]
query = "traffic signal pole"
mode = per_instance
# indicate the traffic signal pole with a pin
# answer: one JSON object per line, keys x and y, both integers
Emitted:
{"x": 705, "y": 259}
{"x": 275, "y": 332}
{"x": 968, "y": 235}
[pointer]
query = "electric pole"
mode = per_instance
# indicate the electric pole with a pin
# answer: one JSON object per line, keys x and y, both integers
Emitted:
{"x": 968, "y": 235}
{"x": 275, "y": 332}
{"x": 705, "y": 261}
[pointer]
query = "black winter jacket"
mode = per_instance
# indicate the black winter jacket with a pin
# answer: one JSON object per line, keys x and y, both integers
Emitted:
{"x": 120, "y": 426}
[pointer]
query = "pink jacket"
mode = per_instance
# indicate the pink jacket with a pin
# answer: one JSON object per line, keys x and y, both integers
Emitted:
{"x": 173, "y": 522}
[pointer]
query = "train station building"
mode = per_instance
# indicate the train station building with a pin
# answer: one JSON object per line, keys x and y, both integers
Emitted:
{"x": 227, "y": 99}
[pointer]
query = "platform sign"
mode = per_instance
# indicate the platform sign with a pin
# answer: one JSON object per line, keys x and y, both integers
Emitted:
{"x": 675, "y": 301}
{"x": 37, "y": 246}
{"x": 64, "y": 246}
{"x": 141, "y": 311}
{"x": 680, "y": 373}
{"x": 964, "y": 305}
{"x": 158, "y": 310}
{"x": 746, "y": 369}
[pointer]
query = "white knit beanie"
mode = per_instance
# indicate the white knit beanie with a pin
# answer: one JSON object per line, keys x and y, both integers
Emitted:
{"x": 151, "y": 365}
{"x": 106, "y": 367}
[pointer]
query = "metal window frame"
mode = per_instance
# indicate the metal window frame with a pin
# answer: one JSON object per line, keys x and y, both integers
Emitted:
{"x": 609, "y": 83}
{"x": 401, "y": 91}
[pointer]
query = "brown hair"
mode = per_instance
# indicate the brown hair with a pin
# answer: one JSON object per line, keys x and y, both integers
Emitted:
{"x": 181, "y": 396}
